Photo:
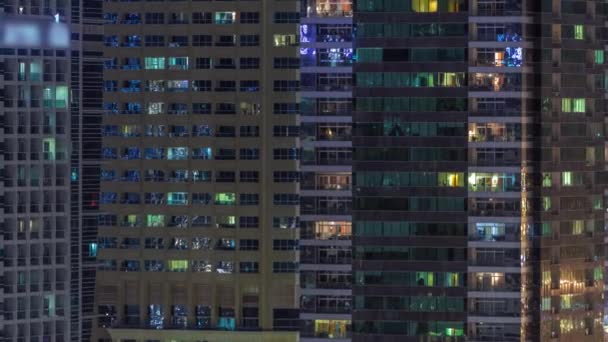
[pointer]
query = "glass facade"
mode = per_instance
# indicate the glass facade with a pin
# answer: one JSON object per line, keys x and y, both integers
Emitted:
{"x": 476, "y": 132}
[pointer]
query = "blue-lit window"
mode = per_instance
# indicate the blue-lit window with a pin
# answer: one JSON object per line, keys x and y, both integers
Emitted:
{"x": 108, "y": 175}
{"x": 131, "y": 19}
{"x": 74, "y": 174}
{"x": 177, "y": 198}
{"x": 131, "y": 63}
{"x": 131, "y": 86}
{"x": 176, "y": 86}
{"x": 178, "y": 63}
{"x": 111, "y": 41}
{"x": 110, "y": 18}
{"x": 131, "y": 176}
{"x": 155, "y": 316}
{"x": 110, "y": 107}
{"x": 92, "y": 249}
{"x": 201, "y": 108}
{"x": 154, "y": 198}
{"x": 131, "y": 153}
{"x": 201, "y": 176}
{"x": 109, "y": 153}
{"x": 225, "y": 267}
{"x": 201, "y": 153}
{"x": 104, "y": 242}
{"x": 177, "y": 153}
{"x": 111, "y": 63}
{"x": 178, "y": 108}
{"x": 154, "y": 153}
{"x": 110, "y": 131}
{"x": 154, "y": 265}
{"x": 132, "y": 108}
{"x": 201, "y": 131}
{"x": 131, "y": 41}
{"x": 110, "y": 85}
{"x": 108, "y": 197}
{"x": 224, "y": 17}
{"x": 179, "y": 175}
{"x": 178, "y": 131}
{"x": 180, "y": 316}
{"x": 203, "y": 316}
{"x": 130, "y": 198}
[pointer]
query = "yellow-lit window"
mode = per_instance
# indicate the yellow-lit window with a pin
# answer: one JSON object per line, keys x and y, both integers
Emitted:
{"x": 546, "y": 277}
{"x": 546, "y": 203}
{"x": 285, "y": 39}
{"x": 453, "y": 6}
{"x": 570, "y": 105}
{"x": 566, "y": 301}
{"x": 177, "y": 265}
{"x": 450, "y": 179}
{"x": 578, "y": 227}
{"x": 424, "y": 6}
{"x": 425, "y": 278}
{"x": 451, "y": 279}
{"x": 579, "y": 32}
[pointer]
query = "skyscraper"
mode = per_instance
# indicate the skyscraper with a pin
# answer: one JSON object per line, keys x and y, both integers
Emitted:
{"x": 478, "y": 154}
{"x": 198, "y": 239}
{"x": 326, "y": 57}
{"x": 48, "y": 90}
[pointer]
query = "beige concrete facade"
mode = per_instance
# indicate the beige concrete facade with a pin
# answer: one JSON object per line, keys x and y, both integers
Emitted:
{"x": 197, "y": 245}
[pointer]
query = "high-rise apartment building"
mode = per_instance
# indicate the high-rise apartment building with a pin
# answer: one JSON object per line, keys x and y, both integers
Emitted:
{"x": 200, "y": 200}
{"x": 326, "y": 38}
{"x": 479, "y": 155}
{"x": 48, "y": 93}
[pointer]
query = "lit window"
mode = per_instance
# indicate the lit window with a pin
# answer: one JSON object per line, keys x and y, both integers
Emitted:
{"x": 179, "y": 63}
{"x": 285, "y": 39}
{"x": 425, "y": 278}
{"x": 546, "y": 180}
{"x": 599, "y": 57}
{"x": 155, "y": 220}
{"x": 224, "y": 17}
{"x": 177, "y": 265}
{"x": 177, "y": 153}
{"x": 570, "y": 105}
{"x": 450, "y": 179}
{"x": 579, "y": 32}
{"x": 154, "y": 62}
{"x": 567, "y": 178}
{"x": 177, "y": 198}
{"x": 225, "y": 198}
{"x": 424, "y": 5}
